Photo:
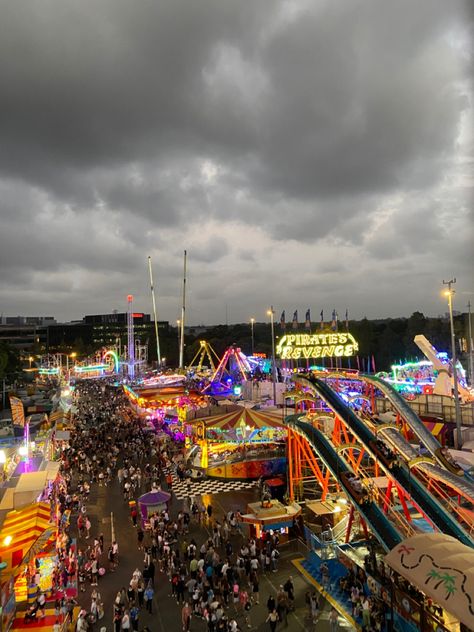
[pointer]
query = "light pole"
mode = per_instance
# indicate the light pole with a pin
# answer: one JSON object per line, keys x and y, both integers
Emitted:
{"x": 457, "y": 409}
{"x": 252, "y": 322}
{"x": 471, "y": 361}
{"x": 178, "y": 324}
{"x": 30, "y": 360}
{"x": 271, "y": 314}
{"x": 73, "y": 357}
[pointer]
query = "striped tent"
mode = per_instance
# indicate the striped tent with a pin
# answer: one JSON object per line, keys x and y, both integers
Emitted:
{"x": 24, "y": 533}
{"x": 59, "y": 415}
{"x": 18, "y": 411}
{"x": 255, "y": 419}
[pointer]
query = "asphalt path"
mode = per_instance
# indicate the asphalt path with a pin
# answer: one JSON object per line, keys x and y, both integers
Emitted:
{"x": 106, "y": 501}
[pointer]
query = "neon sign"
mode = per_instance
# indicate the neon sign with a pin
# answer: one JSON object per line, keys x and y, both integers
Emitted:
{"x": 305, "y": 346}
{"x": 91, "y": 368}
{"x": 115, "y": 358}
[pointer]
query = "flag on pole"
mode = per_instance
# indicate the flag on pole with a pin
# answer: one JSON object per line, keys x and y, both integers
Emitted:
{"x": 18, "y": 411}
{"x": 282, "y": 321}
{"x": 307, "y": 322}
{"x": 334, "y": 320}
{"x": 295, "y": 320}
{"x": 347, "y": 320}
{"x": 373, "y": 364}
{"x": 322, "y": 319}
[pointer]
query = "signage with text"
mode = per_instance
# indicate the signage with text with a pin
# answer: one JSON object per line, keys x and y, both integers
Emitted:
{"x": 306, "y": 346}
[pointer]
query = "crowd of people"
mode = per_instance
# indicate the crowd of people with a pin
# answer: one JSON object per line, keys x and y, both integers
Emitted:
{"x": 216, "y": 580}
{"x": 371, "y": 611}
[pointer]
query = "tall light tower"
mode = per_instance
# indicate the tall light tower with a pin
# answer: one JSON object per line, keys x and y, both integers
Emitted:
{"x": 471, "y": 359}
{"x": 252, "y": 323}
{"x": 457, "y": 408}
{"x": 271, "y": 313}
{"x": 130, "y": 338}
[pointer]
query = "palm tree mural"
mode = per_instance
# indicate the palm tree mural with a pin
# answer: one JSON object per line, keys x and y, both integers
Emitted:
{"x": 449, "y": 582}
{"x": 432, "y": 574}
{"x": 450, "y": 590}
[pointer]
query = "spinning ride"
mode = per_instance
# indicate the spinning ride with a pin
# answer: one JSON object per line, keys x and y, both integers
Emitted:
{"x": 241, "y": 444}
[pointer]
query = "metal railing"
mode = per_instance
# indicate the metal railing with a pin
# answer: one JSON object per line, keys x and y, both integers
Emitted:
{"x": 436, "y": 405}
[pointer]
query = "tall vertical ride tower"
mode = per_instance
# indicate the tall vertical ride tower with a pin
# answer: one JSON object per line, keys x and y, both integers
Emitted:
{"x": 130, "y": 339}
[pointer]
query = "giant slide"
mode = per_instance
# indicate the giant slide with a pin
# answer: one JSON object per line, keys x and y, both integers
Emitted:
{"x": 380, "y": 525}
{"x": 401, "y": 405}
{"x": 459, "y": 484}
{"x": 414, "y": 489}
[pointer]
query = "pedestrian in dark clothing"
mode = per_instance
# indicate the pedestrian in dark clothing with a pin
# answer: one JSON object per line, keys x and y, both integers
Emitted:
{"x": 140, "y": 593}
{"x": 180, "y": 590}
{"x": 271, "y": 603}
{"x": 151, "y": 573}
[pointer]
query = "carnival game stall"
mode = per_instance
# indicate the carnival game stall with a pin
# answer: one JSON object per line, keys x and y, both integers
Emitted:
{"x": 241, "y": 444}
{"x": 153, "y": 502}
{"x": 25, "y": 535}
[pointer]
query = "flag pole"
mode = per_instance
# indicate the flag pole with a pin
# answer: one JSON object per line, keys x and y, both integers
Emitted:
{"x": 158, "y": 354}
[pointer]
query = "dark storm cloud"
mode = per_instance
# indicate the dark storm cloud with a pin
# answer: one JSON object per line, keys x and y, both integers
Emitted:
{"x": 248, "y": 132}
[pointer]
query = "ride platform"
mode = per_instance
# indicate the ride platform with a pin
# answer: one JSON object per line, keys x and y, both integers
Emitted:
{"x": 271, "y": 515}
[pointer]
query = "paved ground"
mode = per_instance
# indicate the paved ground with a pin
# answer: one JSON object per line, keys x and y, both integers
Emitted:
{"x": 167, "y": 614}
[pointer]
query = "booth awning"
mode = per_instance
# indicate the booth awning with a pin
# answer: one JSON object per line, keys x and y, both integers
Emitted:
{"x": 440, "y": 567}
{"x": 23, "y": 531}
{"x": 30, "y": 486}
{"x": 59, "y": 414}
{"x": 62, "y": 435}
{"x": 52, "y": 470}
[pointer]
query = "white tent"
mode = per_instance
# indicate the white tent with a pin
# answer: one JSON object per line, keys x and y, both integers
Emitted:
{"x": 442, "y": 568}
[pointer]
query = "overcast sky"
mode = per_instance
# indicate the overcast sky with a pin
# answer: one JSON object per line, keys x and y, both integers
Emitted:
{"x": 306, "y": 153}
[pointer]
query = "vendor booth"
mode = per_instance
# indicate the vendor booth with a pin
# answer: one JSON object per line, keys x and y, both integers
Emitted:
{"x": 152, "y": 502}
{"x": 25, "y": 534}
{"x": 269, "y": 517}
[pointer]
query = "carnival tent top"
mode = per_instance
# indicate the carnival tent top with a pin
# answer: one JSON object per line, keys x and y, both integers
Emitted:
{"x": 245, "y": 417}
{"x": 442, "y": 568}
{"x": 23, "y": 531}
{"x": 170, "y": 396}
{"x": 29, "y": 487}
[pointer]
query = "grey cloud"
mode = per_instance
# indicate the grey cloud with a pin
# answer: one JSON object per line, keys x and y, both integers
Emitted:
{"x": 128, "y": 128}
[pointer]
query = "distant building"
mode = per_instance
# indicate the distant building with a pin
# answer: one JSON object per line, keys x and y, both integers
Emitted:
{"x": 102, "y": 330}
{"x": 23, "y": 337}
{"x": 27, "y": 320}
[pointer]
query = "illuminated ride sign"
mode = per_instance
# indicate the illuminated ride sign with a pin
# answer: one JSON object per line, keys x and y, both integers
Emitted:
{"x": 332, "y": 345}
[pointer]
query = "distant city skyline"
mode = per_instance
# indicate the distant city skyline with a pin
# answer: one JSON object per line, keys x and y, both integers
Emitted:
{"x": 47, "y": 319}
{"x": 304, "y": 153}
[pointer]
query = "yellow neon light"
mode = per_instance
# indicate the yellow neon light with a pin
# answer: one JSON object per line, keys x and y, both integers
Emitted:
{"x": 305, "y": 346}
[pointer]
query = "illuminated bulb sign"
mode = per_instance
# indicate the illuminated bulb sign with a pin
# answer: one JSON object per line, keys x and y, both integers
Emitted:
{"x": 305, "y": 346}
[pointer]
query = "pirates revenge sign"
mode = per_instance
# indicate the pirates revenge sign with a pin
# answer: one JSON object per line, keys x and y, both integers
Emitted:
{"x": 332, "y": 345}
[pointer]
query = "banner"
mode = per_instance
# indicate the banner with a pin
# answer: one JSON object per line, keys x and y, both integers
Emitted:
{"x": 18, "y": 411}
